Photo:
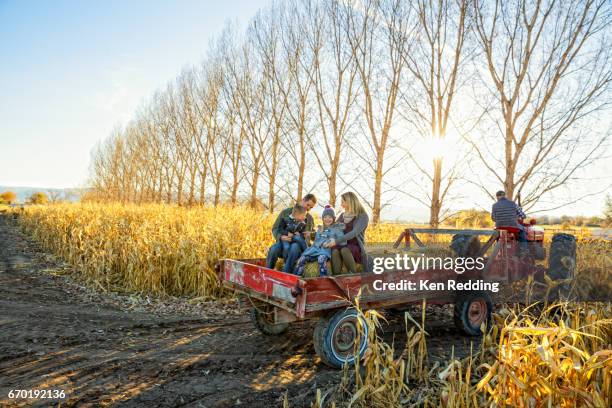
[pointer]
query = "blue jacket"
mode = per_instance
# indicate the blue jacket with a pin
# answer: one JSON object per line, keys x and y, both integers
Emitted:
{"x": 323, "y": 235}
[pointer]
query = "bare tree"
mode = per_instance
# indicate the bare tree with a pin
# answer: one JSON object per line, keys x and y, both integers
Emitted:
{"x": 265, "y": 35}
{"x": 334, "y": 78}
{"x": 295, "y": 86}
{"x": 215, "y": 128}
{"x": 191, "y": 127}
{"x": 380, "y": 35}
{"x": 435, "y": 63}
{"x": 235, "y": 131}
{"x": 247, "y": 92}
{"x": 163, "y": 128}
{"x": 549, "y": 71}
{"x": 233, "y": 143}
{"x": 339, "y": 82}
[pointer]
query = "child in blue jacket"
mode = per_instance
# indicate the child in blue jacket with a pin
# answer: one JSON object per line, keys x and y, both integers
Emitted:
{"x": 317, "y": 251}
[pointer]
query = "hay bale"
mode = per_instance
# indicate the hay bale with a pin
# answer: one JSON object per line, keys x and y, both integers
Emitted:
{"x": 312, "y": 269}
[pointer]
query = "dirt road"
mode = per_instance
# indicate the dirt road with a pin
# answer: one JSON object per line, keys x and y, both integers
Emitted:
{"x": 105, "y": 349}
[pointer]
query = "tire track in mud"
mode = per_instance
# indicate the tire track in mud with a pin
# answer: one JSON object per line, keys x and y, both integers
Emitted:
{"x": 52, "y": 336}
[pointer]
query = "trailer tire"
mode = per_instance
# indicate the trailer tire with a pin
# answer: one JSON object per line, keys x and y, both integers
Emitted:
{"x": 562, "y": 258}
{"x": 318, "y": 340}
{"x": 464, "y": 245}
{"x": 471, "y": 310}
{"x": 266, "y": 325}
{"x": 335, "y": 336}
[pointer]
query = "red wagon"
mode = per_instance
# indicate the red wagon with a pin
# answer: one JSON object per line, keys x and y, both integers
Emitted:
{"x": 277, "y": 299}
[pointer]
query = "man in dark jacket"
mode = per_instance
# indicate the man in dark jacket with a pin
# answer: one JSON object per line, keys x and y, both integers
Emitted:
{"x": 295, "y": 249}
{"x": 506, "y": 213}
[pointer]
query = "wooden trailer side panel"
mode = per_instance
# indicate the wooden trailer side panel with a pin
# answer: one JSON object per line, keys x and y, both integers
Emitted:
{"x": 337, "y": 291}
{"x": 283, "y": 289}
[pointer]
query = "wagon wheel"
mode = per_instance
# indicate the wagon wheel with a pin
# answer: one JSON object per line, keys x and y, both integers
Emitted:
{"x": 262, "y": 316}
{"x": 336, "y": 336}
{"x": 472, "y": 309}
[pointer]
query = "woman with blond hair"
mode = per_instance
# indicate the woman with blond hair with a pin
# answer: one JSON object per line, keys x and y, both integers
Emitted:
{"x": 349, "y": 249}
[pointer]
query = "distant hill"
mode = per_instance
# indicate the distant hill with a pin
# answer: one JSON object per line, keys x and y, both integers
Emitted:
{"x": 65, "y": 194}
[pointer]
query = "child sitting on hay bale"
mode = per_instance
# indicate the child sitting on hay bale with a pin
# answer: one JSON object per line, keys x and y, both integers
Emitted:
{"x": 293, "y": 226}
{"x": 317, "y": 251}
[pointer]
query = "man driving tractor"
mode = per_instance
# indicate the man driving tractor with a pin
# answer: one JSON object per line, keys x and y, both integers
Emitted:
{"x": 507, "y": 213}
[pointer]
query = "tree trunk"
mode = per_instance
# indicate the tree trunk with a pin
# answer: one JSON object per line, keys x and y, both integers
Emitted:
{"x": 434, "y": 212}
{"x": 254, "y": 186}
{"x": 271, "y": 198}
{"x": 333, "y": 176}
{"x": 191, "y": 199}
{"x": 179, "y": 191}
{"x": 217, "y": 191}
{"x": 332, "y": 187}
{"x": 376, "y": 207}
{"x": 234, "y": 194}
{"x": 203, "y": 187}
{"x": 509, "y": 179}
{"x": 301, "y": 169}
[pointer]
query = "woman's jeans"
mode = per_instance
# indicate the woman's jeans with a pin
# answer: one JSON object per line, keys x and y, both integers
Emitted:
{"x": 289, "y": 251}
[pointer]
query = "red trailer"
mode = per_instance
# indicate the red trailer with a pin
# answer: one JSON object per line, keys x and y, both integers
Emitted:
{"x": 276, "y": 298}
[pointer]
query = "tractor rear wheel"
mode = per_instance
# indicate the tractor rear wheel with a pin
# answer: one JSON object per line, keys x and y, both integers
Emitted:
{"x": 262, "y": 317}
{"x": 562, "y": 258}
{"x": 464, "y": 245}
{"x": 337, "y": 335}
{"x": 538, "y": 251}
{"x": 472, "y": 309}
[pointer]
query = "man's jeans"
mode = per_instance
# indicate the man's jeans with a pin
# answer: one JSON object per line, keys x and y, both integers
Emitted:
{"x": 522, "y": 239}
{"x": 291, "y": 255}
{"x": 296, "y": 239}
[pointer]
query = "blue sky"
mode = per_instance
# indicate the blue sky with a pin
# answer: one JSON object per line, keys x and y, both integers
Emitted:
{"x": 71, "y": 70}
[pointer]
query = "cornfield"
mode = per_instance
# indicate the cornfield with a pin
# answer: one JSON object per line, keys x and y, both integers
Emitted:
{"x": 158, "y": 249}
{"x": 163, "y": 249}
{"x": 558, "y": 357}
{"x": 150, "y": 249}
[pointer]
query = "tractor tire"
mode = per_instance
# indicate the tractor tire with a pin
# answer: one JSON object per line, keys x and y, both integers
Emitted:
{"x": 335, "y": 336}
{"x": 471, "y": 310}
{"x": 263, "y": 320}
{"x": 562, "y": 258}
{"x": 465, "y": 245}
{"x": 539, "y": 252}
